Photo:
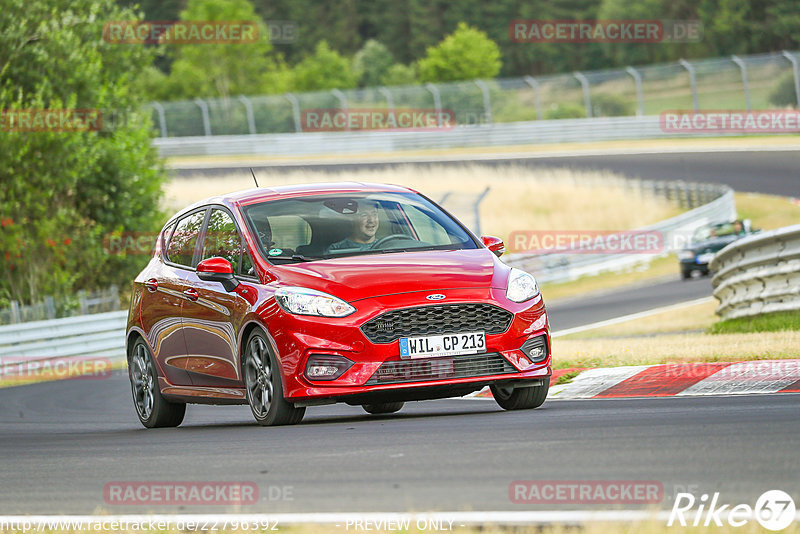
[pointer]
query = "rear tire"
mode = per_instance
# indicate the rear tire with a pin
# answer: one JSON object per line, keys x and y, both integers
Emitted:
{"x": 383, "y": 407}
{"x": 153, "y": 410}
{"x": 264, "y": 390}
{"x": 511, "y": 398}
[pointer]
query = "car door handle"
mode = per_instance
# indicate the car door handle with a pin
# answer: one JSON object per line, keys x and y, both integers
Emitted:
{"x": 151, "y": 284}
{"x": 191, "y": 294}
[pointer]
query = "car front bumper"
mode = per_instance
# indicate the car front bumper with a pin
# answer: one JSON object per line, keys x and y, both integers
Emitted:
{"x": 298, "y": 337}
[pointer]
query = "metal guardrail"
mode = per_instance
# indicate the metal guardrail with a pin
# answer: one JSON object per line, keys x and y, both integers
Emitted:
{"x": 758, "y": 274}
{"x": 100, "y": 301}
{"x": 676, "y": 232}
{"x": 99, "y": 335}
{"x": 482, "y": 135}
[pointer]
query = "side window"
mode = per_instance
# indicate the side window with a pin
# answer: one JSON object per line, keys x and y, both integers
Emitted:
{"x": 247, "y": 268}
{"x": 223, "y": 239}
{"x": 184, "y": 239}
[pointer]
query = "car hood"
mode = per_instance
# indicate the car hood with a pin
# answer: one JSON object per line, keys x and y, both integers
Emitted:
{"x": 359, "y": 277}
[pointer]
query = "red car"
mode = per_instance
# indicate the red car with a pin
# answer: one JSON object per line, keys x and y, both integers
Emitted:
{"x": 298, "y": 296}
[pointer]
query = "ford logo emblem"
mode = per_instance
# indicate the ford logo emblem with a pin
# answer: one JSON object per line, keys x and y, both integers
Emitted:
{"x": 435, "y": 296}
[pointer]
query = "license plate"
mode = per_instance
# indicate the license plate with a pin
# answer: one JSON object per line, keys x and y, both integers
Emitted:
{"x": 446, "y": 345}
{"x": 705, "y": 258}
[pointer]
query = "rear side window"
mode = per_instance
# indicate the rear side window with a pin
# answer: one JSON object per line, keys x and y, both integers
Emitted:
{"x": 184, "y": 239}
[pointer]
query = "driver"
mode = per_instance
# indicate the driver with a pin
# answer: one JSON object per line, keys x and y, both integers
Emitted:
{"x": 365, "y": 226}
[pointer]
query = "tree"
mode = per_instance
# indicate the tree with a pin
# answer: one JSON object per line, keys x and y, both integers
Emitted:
{"x": 324, "y": 69}
{"x": 371, "y": 63}
{"x": 399, "y": 74}
{"x": 466, "y": 54}
{"x": 63, "y": 191}
{"x": 226, "y": 69}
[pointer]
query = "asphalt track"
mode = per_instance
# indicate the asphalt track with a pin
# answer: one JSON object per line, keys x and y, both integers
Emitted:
{"x": 62, "y": 442}
{"x": 772, "y": 172}
{"x": 579, "y": 311}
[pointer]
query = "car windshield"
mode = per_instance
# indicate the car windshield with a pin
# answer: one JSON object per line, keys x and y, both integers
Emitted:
{"x": 328, "y": 226}
{"x": 715, "y": 230}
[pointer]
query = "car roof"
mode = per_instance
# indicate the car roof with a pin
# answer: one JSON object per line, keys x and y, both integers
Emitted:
{"x": 262, "y": 194}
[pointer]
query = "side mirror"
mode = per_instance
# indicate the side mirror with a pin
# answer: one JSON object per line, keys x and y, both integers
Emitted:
{"x": 495, "y": 244}
{"x": 218, "y": 270}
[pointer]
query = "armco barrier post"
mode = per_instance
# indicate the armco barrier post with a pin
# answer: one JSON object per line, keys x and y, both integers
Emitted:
{"x": 692, "y": 82}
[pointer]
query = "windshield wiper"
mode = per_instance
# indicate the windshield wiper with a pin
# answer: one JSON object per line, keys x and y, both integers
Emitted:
{"x": 296, "y": 257}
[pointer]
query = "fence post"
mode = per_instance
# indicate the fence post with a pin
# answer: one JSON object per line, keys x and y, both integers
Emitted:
{"x": 251, "y": 120}
{"x": 487, "y": 102}
{"x": 692, "y": 82}
{"x": 587, "y": 99}
{"x": 50, "y": 307}
{"x": 114, "y": 297}
{"x": 530, "y": 80}
{"x": 340, "y": 96}
{"x": 746, "y": 86}
{"x": 295, "y": 111}
{"x": 204, "y": 111}
{"x": 389, "y": 100}
{"x": 637, "y": 80}
{"x": 16, "y": 317}
{"x": 162, "y": 121}
{"x": 793, "y": 60}
{"x": 84, "y": 304}
{"x": 477, "y": 210}
{"x": 437, "y": 101}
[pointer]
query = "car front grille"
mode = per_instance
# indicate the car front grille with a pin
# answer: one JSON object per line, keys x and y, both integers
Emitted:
{"x": 398, "y": 372}
{"x": 437, "y": 320}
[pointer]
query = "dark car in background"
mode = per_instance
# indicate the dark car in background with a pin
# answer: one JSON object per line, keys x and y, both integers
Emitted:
{"x": 706, "y": 242}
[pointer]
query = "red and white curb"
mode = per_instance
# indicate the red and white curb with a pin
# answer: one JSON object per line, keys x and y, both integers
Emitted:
{"x": 684, "y": 379}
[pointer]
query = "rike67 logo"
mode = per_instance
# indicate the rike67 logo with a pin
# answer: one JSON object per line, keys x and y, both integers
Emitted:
{"x": 774, "y": 510}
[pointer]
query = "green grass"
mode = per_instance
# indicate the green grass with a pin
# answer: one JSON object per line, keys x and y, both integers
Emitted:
{"x": 566, "y": 378}
{"x": 768, "y": 322}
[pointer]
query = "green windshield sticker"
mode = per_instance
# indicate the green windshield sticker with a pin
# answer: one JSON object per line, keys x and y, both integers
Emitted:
{"x": 275, "y": 252}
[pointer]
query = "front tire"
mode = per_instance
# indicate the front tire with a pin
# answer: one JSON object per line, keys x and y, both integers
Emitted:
{"x": 264, "y": 391}
{"x": 153, "y": 410}
{"x": 383, "y": 407}
{"x": 511, "y": 398}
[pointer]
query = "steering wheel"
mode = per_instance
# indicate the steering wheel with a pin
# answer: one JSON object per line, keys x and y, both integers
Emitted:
{"x": 382, "y": 241}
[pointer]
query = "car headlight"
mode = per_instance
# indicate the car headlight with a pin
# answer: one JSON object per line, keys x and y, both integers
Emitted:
{"x": 304, "y": 301}
{"x": 685, "y": 255}
{"x": 521, "y": 286}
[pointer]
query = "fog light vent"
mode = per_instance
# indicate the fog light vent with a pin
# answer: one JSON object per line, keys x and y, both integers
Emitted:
{"x": 535, "y": 349}
{"x": 326, "y": 366}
